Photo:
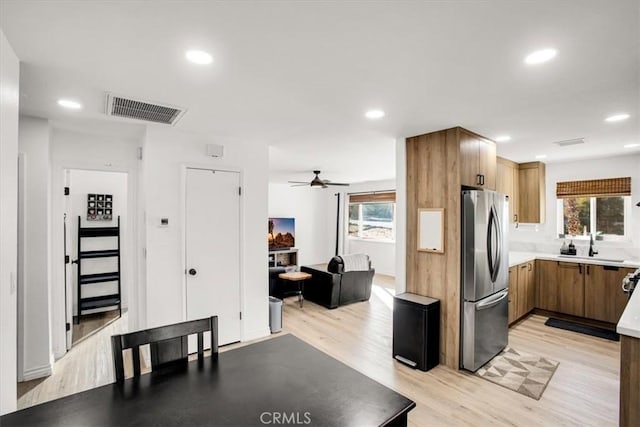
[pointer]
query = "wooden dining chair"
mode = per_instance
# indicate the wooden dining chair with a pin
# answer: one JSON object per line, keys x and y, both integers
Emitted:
{"x": 168, "y": 344}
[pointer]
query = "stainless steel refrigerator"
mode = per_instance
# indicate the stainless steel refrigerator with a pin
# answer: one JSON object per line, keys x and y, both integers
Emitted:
{"x": 484, "y": 277}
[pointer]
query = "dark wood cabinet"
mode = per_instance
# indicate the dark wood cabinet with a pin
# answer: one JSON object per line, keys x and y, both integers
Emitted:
{"x": 531, "y": 286}
{"x": 477, "y": 161}
{"x": 603, "y": 297}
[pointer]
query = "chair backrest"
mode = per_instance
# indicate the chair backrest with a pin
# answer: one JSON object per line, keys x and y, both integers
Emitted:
{"x": 167, "y": 343}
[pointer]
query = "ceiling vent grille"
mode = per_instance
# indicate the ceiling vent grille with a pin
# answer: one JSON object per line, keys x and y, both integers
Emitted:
{"x": 568, "y": 142}
{"x": 118, "y": 106}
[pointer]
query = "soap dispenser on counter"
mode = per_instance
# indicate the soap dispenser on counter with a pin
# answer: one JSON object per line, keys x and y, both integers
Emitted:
{"x": 572, "y": 249}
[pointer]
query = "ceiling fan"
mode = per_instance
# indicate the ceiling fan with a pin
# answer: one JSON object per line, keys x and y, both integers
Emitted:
{"x": 317, "y": 182}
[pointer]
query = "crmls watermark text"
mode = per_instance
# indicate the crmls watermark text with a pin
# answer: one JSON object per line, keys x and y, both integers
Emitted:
{"x": 279, "y": 418}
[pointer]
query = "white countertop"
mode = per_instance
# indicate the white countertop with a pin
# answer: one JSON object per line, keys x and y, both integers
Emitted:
{"x": 629, "y": 323}
{"x": 516, "y": 258}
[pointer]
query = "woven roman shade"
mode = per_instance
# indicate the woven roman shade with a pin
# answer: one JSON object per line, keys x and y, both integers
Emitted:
{"x": 594, "y": 188}
{"x": 383, "y": 196}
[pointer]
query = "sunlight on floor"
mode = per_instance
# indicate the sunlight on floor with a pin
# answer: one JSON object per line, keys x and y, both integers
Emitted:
{"x": 384, "y": 294}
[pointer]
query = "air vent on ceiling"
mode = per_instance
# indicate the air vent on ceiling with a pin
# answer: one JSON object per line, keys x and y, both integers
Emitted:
{"x": 119, "y": 106}
{"x": 568, "y": 142}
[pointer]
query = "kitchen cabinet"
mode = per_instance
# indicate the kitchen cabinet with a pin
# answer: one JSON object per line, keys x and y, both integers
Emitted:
{"x": 547, "y": 295}
{"x": 507, "y": 178}
{"x": 522, "y": 288}
{"x": 477, "y": 161}
{"x": 513, "y": 284}
{"x": 570, "y": 282}
{"x": 531, "y": 192}
{"x": 603, "y": 296}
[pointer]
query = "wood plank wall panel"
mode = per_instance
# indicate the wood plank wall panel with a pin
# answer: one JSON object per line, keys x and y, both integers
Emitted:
{"x": 629, "y": 381}
{"x": 433, "y": 181}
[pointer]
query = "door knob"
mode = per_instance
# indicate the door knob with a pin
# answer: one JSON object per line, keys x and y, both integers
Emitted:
{"x": 192, "y": 272}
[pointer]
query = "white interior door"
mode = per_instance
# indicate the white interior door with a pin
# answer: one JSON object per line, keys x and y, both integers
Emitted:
{"x": 213, "y": 251}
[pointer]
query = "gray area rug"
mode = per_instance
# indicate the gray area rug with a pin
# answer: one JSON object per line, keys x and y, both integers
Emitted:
{"x": 521, "y": 372}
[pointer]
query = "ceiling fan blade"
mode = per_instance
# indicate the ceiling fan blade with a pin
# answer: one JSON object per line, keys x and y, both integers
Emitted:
{"x": 298, "y": 182}
{"x": 306, "y": 184}
{"x": 337, "y": 183}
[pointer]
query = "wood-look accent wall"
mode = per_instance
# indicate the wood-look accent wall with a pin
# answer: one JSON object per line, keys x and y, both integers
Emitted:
{"x": 433, "y": 181}
{"x": 629, "y": 381}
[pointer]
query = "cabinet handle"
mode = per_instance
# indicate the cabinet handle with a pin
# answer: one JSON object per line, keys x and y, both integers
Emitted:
{"x": 482, "y": 177}
{"x": 515, "y": 218}
{"x": 523, "y": 266}
{"x": 580, "y": 268}
{"x": 479, "y": 179}
{"x": 529, "y": 264}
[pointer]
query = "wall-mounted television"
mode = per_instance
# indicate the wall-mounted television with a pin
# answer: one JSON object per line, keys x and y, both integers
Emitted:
{"x": 282, "y": 233}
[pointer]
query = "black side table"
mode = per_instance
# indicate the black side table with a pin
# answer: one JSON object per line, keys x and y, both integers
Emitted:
{"x": 416, "y": 331}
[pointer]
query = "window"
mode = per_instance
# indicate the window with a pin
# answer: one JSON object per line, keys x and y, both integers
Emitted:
{"x": 372, "y": 216}
{"x": 605, "y": 212}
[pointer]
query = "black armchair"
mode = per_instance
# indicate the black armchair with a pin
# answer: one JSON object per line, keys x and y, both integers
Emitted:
{"x": 335, "y": 287}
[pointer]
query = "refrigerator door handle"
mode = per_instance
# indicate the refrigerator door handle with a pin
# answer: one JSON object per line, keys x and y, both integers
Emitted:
{"x": 492, "y": 302}
{"x": 493, "y": 229}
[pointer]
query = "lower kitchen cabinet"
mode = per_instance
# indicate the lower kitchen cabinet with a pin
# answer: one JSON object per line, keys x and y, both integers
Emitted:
{"x": 513, "y": 285}
{"x": 570, "y": 282}
{"x": 522, "y": 290}
{"x": 584, "y": 290}
{"x": 547, "y": 285}
{"x": 603, "y": 297}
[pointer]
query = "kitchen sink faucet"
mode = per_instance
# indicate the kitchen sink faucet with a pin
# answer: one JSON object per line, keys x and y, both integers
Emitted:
{"x": 592, "y": 250}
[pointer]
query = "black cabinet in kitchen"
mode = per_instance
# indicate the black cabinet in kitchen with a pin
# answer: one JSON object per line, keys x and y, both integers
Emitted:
{"x": 416, "y": 330}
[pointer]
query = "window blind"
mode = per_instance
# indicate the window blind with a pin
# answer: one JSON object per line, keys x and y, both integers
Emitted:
{"x": 594, "y": 188}
{"x": 383, "y": 196}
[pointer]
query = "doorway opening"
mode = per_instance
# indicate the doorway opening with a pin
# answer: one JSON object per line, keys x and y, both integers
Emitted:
{"x": 95, "y": 235}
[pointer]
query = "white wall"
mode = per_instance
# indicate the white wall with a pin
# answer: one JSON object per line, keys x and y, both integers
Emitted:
{"x": 166, "y": 153}
{"x": 543, "y": 237}
{"x": 82, "y": 183}
{"x": 85, "y": 149}
{"x": 9, "y": 96}
{"x": 34, "y": 251}
{"x": 309, "y": 207}
{"x": 382, "y": 254}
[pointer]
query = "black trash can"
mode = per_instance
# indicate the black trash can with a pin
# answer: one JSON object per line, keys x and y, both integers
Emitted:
{"x": 416, "y": 331}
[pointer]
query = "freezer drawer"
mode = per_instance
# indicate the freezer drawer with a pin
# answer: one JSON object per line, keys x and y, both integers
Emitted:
{"x": 485, "y": 330}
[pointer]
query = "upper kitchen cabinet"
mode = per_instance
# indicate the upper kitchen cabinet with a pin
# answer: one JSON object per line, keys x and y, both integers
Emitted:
{"x": 531, "y": 192}
{"x": 507, "y": 179}
{"x": 477, "y": 161}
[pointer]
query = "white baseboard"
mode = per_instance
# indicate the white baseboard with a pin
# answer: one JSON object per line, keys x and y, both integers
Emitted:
{"x": 34, "y": 373}
{"x": 255, "y": 334}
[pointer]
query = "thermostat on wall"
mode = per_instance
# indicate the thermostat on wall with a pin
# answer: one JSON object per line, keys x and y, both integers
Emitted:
{"x": 164, "y": 222}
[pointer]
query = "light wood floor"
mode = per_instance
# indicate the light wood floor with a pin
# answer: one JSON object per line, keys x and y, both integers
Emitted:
{"x": 92, "y": 323}
{"x": 583, "y": 391}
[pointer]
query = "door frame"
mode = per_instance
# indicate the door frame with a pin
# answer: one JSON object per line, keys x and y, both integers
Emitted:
{"x": 183, "y": 240}
{"x": 57, "y": 295}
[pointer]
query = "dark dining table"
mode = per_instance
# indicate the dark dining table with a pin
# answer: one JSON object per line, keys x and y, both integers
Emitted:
{"x": 273, "y": 382}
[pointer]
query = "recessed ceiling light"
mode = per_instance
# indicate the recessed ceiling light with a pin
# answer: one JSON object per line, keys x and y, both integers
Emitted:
{"x": 540, "y": 56}
{"x": 199, "y": 57}
{"x": 617, "y": 117}
{"x": 631, "y": 145}
{"x": 68, "y": 103}
{"x": 541, "y": 156}
{"x": 374, "y": 114}
{"x": 503, "y": 138}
